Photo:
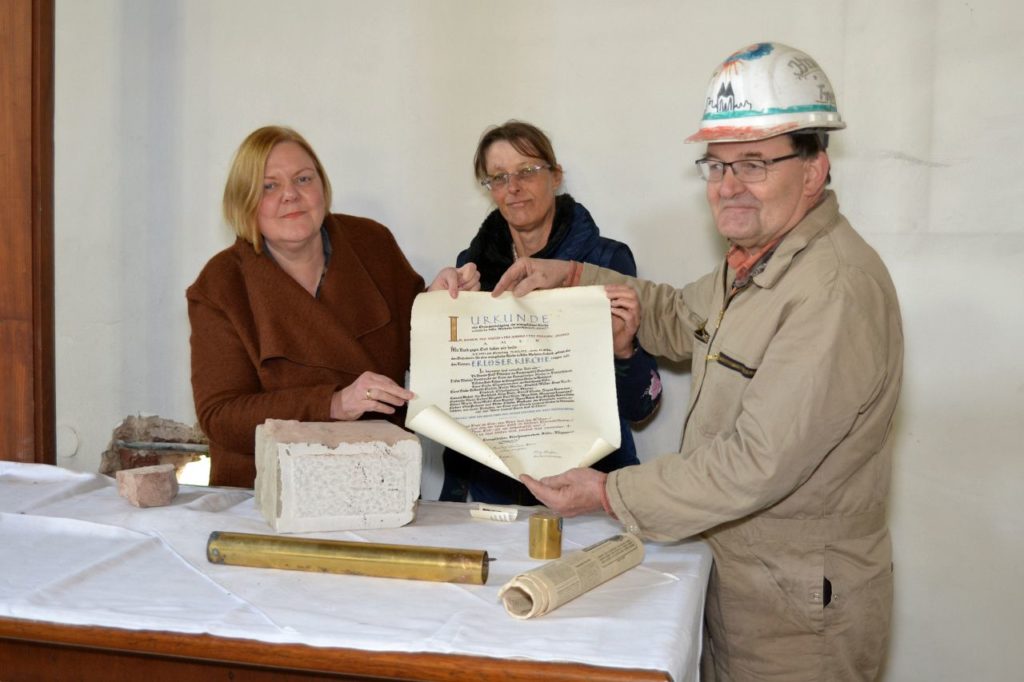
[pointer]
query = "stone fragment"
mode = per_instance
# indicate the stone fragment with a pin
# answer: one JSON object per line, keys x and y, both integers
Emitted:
{"x": 140, "y": 441}
{"x": 327, "y": 476}
{"x": 152, "y": 486}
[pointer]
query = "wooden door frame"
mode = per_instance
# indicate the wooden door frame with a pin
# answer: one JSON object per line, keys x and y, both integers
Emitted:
{"x": 27, "y": 370}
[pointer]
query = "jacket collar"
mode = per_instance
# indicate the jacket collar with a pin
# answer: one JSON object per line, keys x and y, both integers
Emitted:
{"x": 815, "y": 222}
{"x": 322, "y": 332}
{"x": 491, "y": 248}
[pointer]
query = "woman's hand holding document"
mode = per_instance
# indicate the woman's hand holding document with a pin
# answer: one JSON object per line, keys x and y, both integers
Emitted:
{"x": 522, "y": 385}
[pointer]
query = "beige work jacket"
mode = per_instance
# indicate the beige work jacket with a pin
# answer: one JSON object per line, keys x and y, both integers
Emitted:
{"x": 785, "y": 461}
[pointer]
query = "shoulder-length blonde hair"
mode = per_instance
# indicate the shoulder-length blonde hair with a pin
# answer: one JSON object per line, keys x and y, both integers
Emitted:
{"x": 244, "y": 187}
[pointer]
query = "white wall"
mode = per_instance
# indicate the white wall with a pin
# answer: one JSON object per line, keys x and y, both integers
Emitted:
{"x": 153, "y": 97}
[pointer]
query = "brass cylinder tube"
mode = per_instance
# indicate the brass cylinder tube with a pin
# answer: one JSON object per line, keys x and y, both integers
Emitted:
{"x": 439, "y": 564}
{"x": 545, "y": 535}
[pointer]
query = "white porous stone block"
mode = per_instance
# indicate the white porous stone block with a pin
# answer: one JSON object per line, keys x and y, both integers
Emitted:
{"x": 325, "y": 476}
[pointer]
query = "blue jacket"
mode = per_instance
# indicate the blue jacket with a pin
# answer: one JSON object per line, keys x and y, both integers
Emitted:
{"x": 574, "y": 236}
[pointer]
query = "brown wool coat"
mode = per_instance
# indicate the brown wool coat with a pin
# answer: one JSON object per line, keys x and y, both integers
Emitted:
{"x": 263, "y": 348}
{"x": 786, "y": 454}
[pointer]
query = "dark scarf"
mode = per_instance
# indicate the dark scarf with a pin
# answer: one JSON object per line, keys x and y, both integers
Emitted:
{"x": 491, "y": 248}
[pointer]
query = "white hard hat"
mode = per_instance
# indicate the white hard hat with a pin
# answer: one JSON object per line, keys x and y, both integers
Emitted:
{"x": 765, "y": 90}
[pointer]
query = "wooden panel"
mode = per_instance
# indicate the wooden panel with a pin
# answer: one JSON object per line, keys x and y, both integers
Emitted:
{"x": 16, "y": 406}
{"x": 16, "y": 399}
{"x": 43, "y": 304}
{"x": 30, "y": 650}
{"x": 26, "y": 231}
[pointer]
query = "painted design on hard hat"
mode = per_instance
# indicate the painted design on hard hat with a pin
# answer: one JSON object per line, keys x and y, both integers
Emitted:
{"x": 725, "y": 99}
{"x": 763, "y": 90}
{"x": 804, "y": 67}
{"x": 724, "y": 104}
{"x": 751, "y": 53}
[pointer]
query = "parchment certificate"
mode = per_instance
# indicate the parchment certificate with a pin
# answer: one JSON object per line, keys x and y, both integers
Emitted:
{"x": 522, "y": 385}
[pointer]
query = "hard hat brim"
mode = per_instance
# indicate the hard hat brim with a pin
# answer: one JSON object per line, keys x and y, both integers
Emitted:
{"x": 732, "y": 133}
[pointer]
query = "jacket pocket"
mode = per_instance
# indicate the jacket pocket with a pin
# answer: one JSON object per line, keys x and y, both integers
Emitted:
{"x": 725, "y": 379}
{"x": 701, "y": 334}
{"x": 766, "y": 609}
{"x": 857, "y": 621}
{"x": 732, "y": 363}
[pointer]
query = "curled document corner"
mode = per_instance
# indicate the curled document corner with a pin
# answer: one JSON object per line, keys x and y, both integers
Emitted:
{"x": 490, "y": 512}
{"x": 547, "y": 587}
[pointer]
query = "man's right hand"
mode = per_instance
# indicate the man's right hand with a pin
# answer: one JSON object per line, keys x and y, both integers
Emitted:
{"x": 529, "y": 274}
{"x": 574, "y": 492}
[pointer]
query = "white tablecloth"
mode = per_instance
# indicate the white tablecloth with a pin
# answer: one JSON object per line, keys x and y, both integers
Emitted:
{"x": 72, "y": 551}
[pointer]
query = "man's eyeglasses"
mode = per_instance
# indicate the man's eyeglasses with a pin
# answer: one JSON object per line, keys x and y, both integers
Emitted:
{"x": 745, "y": 170}
{"x": 501, "y": 180}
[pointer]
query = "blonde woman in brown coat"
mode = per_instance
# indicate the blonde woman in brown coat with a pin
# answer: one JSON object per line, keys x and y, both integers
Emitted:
{"x": 306, "y": 316}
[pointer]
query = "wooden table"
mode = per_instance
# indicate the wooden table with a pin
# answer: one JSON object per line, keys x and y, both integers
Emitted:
{"x": 33, "y": 651}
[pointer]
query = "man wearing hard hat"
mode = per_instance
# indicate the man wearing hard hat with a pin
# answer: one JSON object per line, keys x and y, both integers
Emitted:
{"x": 797, "y": 357}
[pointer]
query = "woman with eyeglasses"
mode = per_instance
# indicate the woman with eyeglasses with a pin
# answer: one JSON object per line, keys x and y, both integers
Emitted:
{"x": 306, "y": 316}
{"x": 516, "y": 163}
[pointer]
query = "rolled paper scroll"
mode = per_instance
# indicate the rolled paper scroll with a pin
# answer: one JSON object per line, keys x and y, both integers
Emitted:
{"x": 547, "y": 587}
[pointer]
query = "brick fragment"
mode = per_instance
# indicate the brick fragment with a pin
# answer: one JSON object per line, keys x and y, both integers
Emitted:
{"x": 152, "y": 486}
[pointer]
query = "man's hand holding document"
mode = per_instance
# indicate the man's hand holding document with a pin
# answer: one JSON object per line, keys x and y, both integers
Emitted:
{"x": 522, "y": 385}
